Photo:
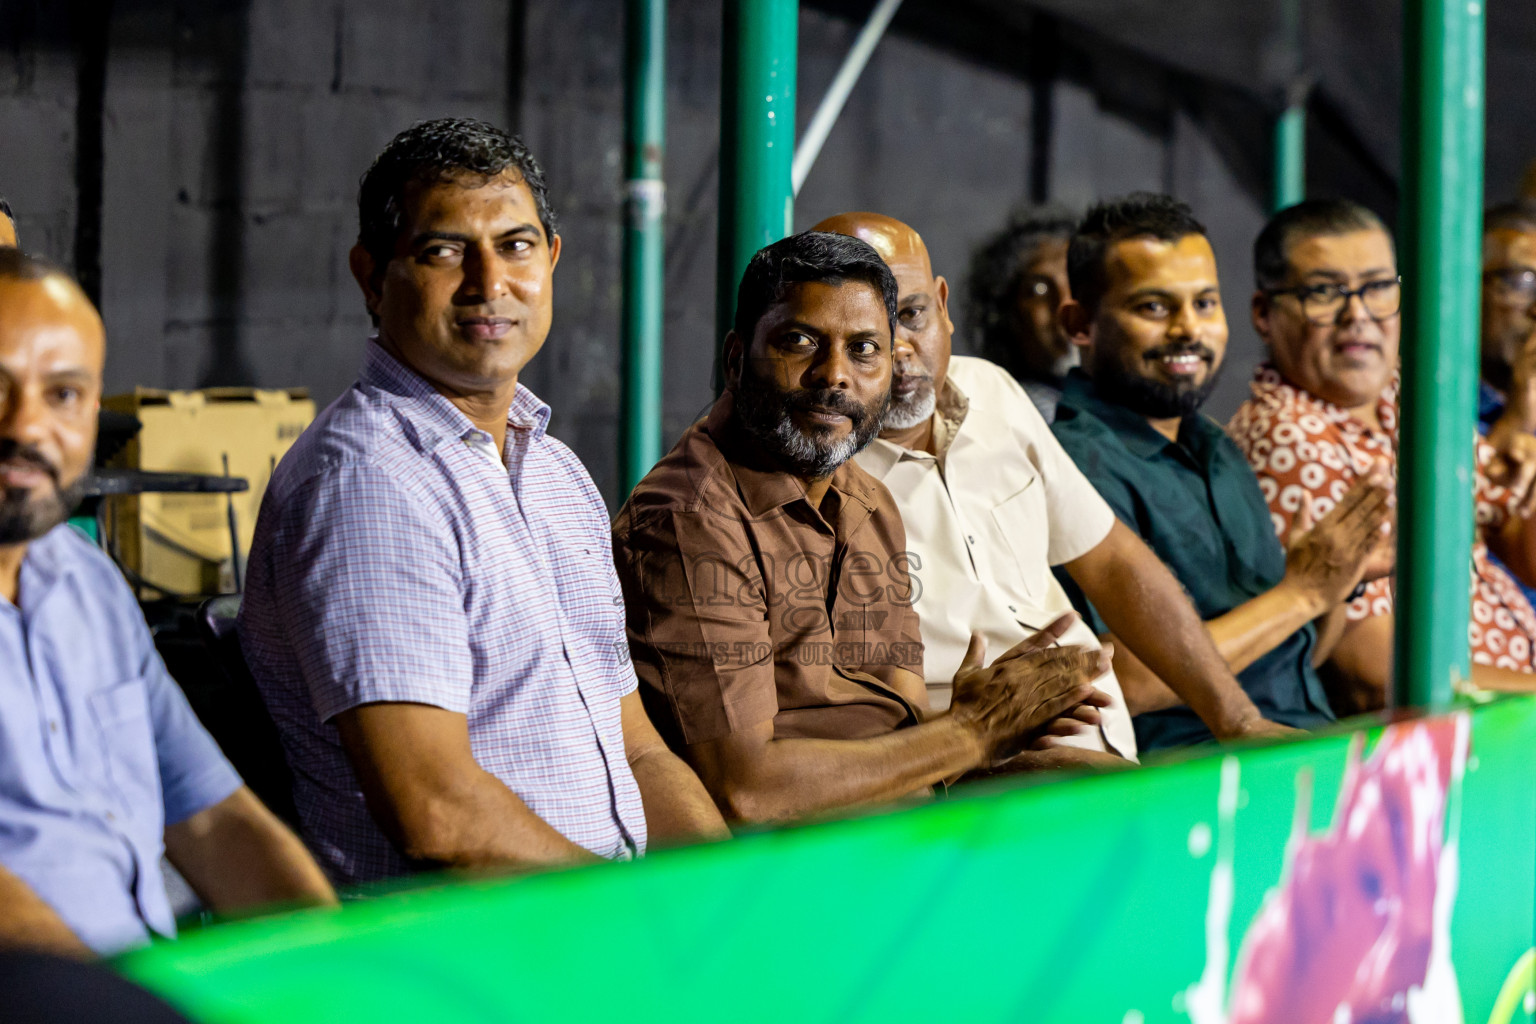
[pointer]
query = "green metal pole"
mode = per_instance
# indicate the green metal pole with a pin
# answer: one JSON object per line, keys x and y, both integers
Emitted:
{"x": 757, "y": 140}
{"x": 1441, "y": 224}
{"x": 1290, "y": 170}
{"x": 645, "y": 136}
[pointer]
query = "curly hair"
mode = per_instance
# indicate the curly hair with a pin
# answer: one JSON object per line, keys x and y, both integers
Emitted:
{"x": 997, "y": 268}
{"x": 445, "y": 149}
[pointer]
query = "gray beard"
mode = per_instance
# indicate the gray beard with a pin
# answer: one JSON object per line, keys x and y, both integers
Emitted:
{"x": 906, "y": 413}
{"x": 761, "y": 414}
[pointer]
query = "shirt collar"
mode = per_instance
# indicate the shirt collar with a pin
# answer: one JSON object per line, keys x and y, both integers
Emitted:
{"x": 45, "y": 564}
{"x": 1133, "y": 430}
{"x": 1269, "y": 386}
{"x": 949, "y": 415}
{"x": 764, "y": 487}
{"x": 432, "y": 417}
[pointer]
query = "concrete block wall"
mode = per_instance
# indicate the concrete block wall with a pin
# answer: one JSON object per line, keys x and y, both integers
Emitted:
{"x": 236, "y": 132}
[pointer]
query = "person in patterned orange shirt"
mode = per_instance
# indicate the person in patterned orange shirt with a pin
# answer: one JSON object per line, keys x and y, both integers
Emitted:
{"x": 1324, "y": 410}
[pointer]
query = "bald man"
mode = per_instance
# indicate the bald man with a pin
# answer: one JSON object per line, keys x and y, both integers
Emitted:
{"x": 103, "y": 767}
{"x": 991, "y": 502}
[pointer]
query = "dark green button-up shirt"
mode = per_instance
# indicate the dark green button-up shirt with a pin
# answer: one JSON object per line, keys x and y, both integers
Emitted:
{"x": 1197, "y": 504}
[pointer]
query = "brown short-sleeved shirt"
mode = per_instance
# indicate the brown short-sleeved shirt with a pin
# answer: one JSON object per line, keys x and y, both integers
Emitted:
{"x": 747, "y": 604}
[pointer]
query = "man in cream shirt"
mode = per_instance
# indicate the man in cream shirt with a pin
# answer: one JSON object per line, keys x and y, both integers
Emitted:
{"x": 991, "y": 503}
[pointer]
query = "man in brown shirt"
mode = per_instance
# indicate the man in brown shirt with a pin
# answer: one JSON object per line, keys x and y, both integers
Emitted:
{"x": 766, "y": 581}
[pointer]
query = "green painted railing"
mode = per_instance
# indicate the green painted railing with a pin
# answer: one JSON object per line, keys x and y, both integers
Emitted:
{"x": 645, "y": 140}
{"x": 1136, "y": 897}
{"x": 1440, "y": 241}
{"x": 757, "y": 139}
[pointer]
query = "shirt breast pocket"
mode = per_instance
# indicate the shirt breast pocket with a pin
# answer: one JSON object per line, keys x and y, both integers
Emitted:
{"x": 126, "y": 738}
{"x": 1025, "y": 526}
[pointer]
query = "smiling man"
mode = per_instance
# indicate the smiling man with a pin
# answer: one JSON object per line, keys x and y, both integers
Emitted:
{"x": 103, "y": 767}
{"x": 991, "y": 502}
{"x": 431, "y": 612}
{"x": 1324, "y": 410}
{"x": 767, "y": 580}
{"x": 1146, "y": 306}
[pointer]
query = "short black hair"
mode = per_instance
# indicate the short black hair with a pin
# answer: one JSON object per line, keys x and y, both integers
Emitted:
{"x": 997, "y": 267}
{"x": 810, "y": 256}
{"x": 5, "y": 208}
{"x": 445, "y": 149}
{"x": 1307, "y": 219}
{"x": 1140, "y": 214}
{"x": 1515, "y": 215}
{"x": 16, "y": 265}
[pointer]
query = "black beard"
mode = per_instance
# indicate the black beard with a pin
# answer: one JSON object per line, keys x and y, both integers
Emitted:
{"x": 764, "y": 413}
{"x": 25, "y": 516}
{"x": 1151, "y": 398}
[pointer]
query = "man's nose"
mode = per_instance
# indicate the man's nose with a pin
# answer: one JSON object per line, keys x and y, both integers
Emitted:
{"x": 1182, "y": 325}
{"x": 1354, "y": 309}
{"x": 484, "y": 275}
{"x": 833, "y": 370}
{"x": 901, "y": 345}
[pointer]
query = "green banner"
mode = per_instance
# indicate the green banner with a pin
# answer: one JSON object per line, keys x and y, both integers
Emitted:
{"x": 1384, "y": 875}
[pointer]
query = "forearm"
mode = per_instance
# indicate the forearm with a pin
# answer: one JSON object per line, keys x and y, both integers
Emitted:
{"x": 1142, "y": 689}
{"x": 1330, "y": 630}
{"x": 238, "y": 856}
{"x": 798, "y": 778}
{"x": 1503, "y": 680}
{"x": 1145, "y": 607}
{"x": 1358, "y": 671}
{"x": 678, "y": 809}
{"x": 28, "y": 922}
{"x": 474, "y": 821}
{"x": 1256, "y": 627}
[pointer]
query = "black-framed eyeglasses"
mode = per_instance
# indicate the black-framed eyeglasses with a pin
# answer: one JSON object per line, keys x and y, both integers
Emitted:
{"x": 1514, "y": 284}
{"x": 1323, "y": 304}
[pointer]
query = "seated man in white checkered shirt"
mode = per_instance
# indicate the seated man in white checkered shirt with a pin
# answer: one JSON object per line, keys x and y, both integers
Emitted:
{"x": 432, "y": 612}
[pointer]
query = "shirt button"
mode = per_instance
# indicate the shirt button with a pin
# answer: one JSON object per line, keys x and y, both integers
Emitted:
{"x": 110, "y": 816}
{"x": 970, "y": 540}
{"x": 53, "y": 726}
{"x": 1012, "y": 608}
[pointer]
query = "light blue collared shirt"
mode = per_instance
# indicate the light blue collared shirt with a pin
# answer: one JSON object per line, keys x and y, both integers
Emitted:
{"x": 99, "y": 749}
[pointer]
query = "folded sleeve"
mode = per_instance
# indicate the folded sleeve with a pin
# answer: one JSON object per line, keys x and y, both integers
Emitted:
{"x": 367, "y": 583}
{"x": 697, "y": 620}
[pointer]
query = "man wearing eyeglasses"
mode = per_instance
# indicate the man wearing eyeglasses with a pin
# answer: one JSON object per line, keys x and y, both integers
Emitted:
{"x": 1324, "y": 412}
{"x": 1509, "y": 317}
{"x": 1146, "y": 310}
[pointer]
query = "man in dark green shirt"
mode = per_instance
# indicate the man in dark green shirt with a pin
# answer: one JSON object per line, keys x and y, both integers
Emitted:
{"x": 1147, "y": 310}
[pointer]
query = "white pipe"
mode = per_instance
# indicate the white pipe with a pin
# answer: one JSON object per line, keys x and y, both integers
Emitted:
{"x": 837, "y": 93}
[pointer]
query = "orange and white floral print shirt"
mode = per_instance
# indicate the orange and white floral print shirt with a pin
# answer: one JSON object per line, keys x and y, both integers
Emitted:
{"x": 1304, "y": 449}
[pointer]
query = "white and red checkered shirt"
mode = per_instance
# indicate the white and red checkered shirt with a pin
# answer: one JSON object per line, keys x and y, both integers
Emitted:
{"x": 394, "y": 561}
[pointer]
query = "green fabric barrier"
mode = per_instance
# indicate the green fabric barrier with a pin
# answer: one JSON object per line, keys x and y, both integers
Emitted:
{"x": 1124, "y": 898}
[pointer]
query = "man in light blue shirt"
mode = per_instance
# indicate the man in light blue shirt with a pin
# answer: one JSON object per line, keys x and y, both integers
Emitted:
{"x": 103, "y": 766}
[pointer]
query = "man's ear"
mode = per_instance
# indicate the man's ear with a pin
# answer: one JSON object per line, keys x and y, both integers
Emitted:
{"x": 732, "y": 354}
{"x": 1261, "y": 309}
{"x": 366, "y": 272}
{"x": 1076, "y": 321}
{"x": 941, "y": 296}
{"x": 554, "y": 251}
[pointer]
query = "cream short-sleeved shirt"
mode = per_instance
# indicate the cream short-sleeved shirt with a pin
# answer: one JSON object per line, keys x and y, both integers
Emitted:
{"x": 986, "y": 519}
